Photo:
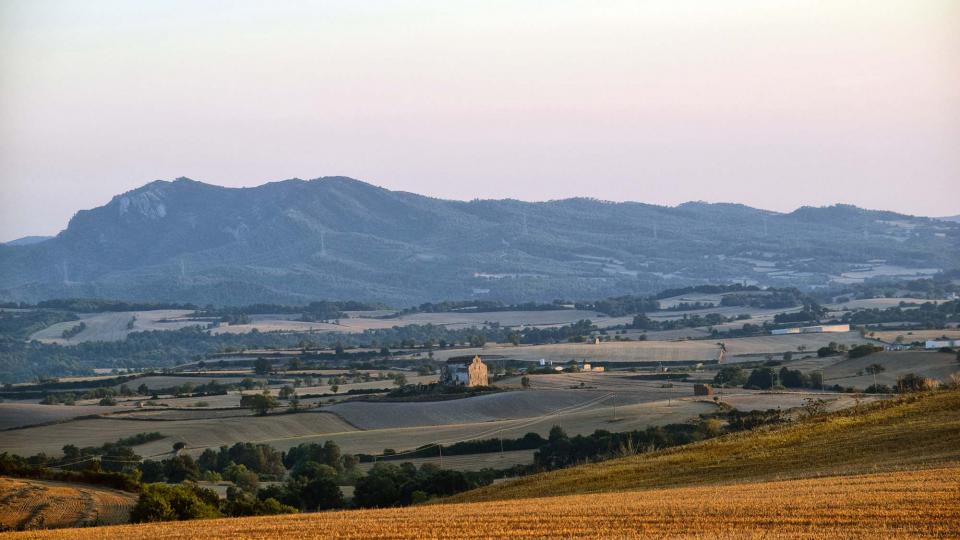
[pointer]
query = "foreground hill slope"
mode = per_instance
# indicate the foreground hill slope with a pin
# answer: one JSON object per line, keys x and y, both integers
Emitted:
{"x": 39, "y": 504}
{"x": 890, "y": 505}
{"x": 909, "y": 433}
{"x": 337, "y": 238}
{"x": 796, "y": 481}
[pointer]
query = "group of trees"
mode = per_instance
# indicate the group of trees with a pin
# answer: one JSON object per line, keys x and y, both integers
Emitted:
{"x": 387, "y": 484}
{"x": 642, "y": 322}
{"x": 766, "y": 377}
{"x": 927, "y": 314}
{"x": 163, "y": 502}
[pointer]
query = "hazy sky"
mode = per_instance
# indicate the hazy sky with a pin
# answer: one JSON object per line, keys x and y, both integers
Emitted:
{"x": 772, "y": 104}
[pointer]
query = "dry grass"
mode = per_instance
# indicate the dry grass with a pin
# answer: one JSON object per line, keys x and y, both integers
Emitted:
{"x": 35, "y": 504}
{"x": 903, "y": 504}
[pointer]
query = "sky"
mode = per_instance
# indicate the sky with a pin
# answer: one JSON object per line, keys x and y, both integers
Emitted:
{"x": 771, "y": 104}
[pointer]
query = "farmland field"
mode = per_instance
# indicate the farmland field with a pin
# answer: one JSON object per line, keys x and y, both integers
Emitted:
{"x": 20, "y": 413}
{"x": 876, "y": 303}
{"x": 113, "y": 326}
{"x": 657, "y": 351}
{"x": 909, "y": 336}
{"x": 613, "y": 351}
{"x": 851, "y": 372}
{"x": 36, "y": 504}
{"x": 196, "y": 433}
{"x": 907, "y": 503}
{"x": 779, "y": 344}
{"x": 451, "y": 320}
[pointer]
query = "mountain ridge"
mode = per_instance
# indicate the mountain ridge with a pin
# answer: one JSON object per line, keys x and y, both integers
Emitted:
{"x": 339, "y": 238}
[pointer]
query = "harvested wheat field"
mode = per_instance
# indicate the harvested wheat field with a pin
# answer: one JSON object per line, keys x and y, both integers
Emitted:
{"x": 904, "y": 504}
{"x": 36, "y": 504}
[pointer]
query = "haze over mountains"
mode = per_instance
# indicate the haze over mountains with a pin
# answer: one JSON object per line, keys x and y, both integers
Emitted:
{"x": 337, "y": 238}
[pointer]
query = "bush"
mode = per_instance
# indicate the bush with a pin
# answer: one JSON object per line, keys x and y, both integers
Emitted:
{"x": 912, "y": 382}
{"x": 730, "y": 376}
{"x": 762, "y": 378}
{"x": 863, "y": 350}
{"x": 160, "y": 502}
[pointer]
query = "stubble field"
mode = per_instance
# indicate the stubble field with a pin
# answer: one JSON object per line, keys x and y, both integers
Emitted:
{"x": 33, "y": 504}
{"x": 903, "y": 504}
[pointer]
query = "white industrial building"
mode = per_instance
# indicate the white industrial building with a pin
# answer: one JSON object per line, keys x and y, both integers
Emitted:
{"x": 940, "y": 343}
{"x": 820, "y": 329}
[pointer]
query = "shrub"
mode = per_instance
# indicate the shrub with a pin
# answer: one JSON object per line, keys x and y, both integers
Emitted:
{"x": 762, "y": 378}
{"x": 863, "y": 350}
{"x": 160, "y": 502}
{"x": 730, "y": 376}
{"x": 911, "y": 382}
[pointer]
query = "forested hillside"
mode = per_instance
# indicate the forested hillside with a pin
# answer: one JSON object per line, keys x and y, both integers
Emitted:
{"x": 337, "y": 238}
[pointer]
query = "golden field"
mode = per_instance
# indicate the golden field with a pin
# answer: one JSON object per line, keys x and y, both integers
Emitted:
{"x": 888, "y": 469}
{"x": 903, "y": 504}
{"x": 38, "y": 504}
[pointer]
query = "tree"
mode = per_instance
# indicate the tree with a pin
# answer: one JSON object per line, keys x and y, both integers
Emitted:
{"x": 380, "y": 488}
{"x": 874, "y": 369}
{"x": 911, "y": 382}
{"x": 334, "y": 388}
{"x": 259, "y": 403}
{"x": 180, "y": 468}
{"x": 525, "y": 381}
{"x": 400, "y": 379}
{"x": 321, "y": 493}
{"x": 287, "y": 391}
{"x": 262, "y": 366}
{"x": 178, "y": 446}
{"x": 787, "y": 356}
{"x": 762, "y": 378}
{"x": 730, "y": 376}
{"x": 242, "y": 477}
{"x": 160, "y": 502}
{"x": 792, "y": 378}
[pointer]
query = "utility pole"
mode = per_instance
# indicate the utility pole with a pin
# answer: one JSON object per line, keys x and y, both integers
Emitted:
{"x": 440, "y": 446}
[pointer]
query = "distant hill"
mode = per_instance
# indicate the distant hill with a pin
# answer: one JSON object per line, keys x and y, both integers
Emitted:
{"x": 28, "y": 240}
{"x": 336, "y": 238}
{"x": 955, "y": 219}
